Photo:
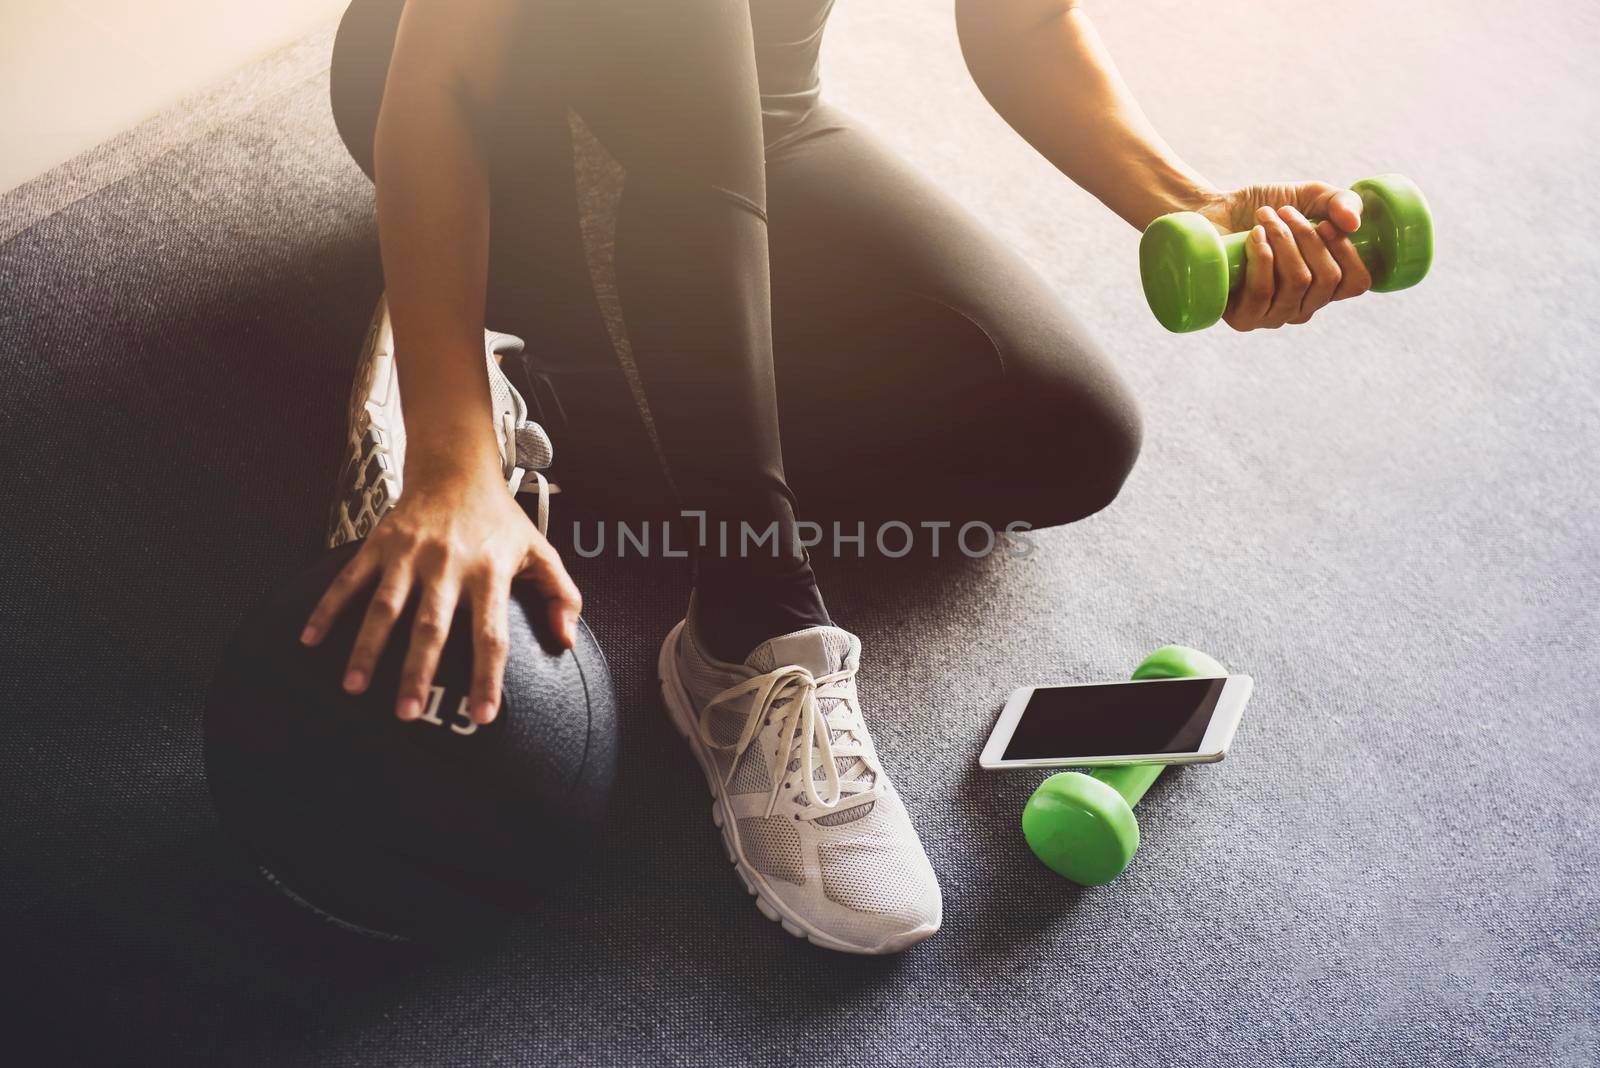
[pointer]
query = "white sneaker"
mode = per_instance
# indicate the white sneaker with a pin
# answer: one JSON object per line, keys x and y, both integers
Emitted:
{"x": 812, "y": 824}
{"x": 370, "y": 481}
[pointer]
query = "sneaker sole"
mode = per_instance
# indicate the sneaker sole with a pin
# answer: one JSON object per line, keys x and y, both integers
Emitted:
{"x": 681, "y": 712}
{"x": 369, "y": 481}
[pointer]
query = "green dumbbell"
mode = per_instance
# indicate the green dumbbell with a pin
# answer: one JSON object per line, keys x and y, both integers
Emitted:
{"x": 1189, "y": 269}
{"x": 1082, "y": 826}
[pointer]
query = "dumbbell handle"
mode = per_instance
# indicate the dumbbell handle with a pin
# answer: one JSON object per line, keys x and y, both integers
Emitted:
{"x": 1365, "y": 240}
{"x": 1130, "y": 780}
{"x": 1167, "y": 662}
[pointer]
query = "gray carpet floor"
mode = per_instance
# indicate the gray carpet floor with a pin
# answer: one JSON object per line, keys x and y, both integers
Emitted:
{"x": 1389, "y": 519}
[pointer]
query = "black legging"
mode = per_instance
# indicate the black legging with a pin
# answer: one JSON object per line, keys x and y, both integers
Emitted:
{"x": 920, "y": 370}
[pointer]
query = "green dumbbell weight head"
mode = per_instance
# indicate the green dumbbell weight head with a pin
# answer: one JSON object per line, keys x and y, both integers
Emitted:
{"x": 1082, "y": 826}
{"x": 1189, "y": 270}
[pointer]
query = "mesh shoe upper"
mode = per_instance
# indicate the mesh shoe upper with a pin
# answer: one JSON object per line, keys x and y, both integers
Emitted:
{"x": 839, "y": 852}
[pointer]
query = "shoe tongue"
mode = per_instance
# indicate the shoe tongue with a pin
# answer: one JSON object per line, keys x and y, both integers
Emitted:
{"x": 820, "y": 650}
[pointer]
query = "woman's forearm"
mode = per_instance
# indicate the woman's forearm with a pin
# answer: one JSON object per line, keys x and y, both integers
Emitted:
{"x": 1043, "y": 67}
{"x": 433, "y": 223}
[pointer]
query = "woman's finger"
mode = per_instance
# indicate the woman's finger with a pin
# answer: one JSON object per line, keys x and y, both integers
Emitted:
{"x": 1319, "y": 200}
{"x": 385, "y": 607}
{"x": 490, "y": 597}
{"x": 428, "y": 634}
{"x": 548, "y": 574}
{"x": 1324, "y": 268}
{"x": 1254, "y": 295}
{"x": 1344, "y": 210}
{"x": 1354, "y": 278}
{"x": 1290, "y": 275}
{"x": 350, "y": 580}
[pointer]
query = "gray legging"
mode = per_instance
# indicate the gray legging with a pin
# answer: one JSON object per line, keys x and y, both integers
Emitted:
{"x": 775, "y": 264}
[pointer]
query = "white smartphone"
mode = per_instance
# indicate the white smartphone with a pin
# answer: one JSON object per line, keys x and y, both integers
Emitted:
{"x": 1157, "y": 721}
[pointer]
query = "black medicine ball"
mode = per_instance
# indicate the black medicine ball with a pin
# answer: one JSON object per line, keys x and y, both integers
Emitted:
{"x": 432, "y": 829}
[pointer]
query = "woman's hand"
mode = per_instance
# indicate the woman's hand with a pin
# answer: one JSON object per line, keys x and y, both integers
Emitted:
{"x": 1293, "y": 268}
{"x": 448, "y": 539}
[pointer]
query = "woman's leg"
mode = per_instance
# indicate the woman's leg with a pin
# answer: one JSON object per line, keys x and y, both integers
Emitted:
{"x": 925, "y": 371}
{"x": 678, "y": 104}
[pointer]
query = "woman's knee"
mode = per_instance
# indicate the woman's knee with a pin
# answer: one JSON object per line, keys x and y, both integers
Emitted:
{"x": 361, "y": 52}
{"x": 1079, "y": 440}
{"x": 1116, "y": 424}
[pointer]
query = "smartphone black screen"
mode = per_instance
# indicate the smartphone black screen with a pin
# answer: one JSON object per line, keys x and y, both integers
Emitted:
{"x": 1117, "y": 719}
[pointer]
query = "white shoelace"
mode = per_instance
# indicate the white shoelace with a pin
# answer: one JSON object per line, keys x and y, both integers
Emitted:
{"x": 516, "y": 474}
{"x": 518, "y": 486}
{"x": 805, "y": 727}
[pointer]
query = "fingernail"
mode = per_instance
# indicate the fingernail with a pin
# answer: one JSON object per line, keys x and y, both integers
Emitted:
{"x": 355, "y": 681}
{"x": 310, "y": 635}
{"x": 1291, "y": 213}
{"x": 410, "y": 708}
{"x": 572, "y": 632}
{"x": 1259, "y": 233}
{"x": 486, "y": 711}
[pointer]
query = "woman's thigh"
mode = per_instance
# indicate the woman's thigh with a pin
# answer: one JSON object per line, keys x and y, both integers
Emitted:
{"x": 925, "y": 370}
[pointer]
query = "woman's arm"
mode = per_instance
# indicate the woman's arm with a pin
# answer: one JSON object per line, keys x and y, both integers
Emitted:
{"x": 456, "y": 535}
{"x": 433, "y": 224}
{"x": 1042, "y": 66}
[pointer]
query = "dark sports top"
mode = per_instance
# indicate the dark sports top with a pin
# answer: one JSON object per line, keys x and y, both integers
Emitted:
{"x": 788, "y": 36}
